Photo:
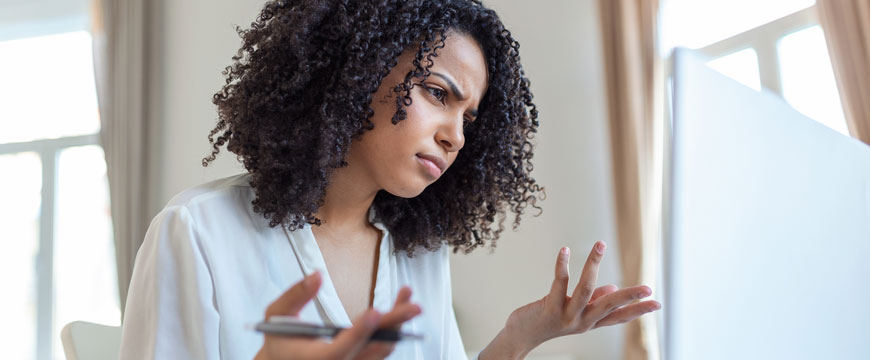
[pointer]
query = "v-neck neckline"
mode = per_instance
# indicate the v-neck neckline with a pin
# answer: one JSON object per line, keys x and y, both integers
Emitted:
{"x": 311, "y": 259}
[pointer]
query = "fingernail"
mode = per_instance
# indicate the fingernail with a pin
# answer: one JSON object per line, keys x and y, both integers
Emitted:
{"x": 308, "y": 283}
{"x": 563, "y": 252}
{"x": 414, "y": 312}
{"x": 371, "y": 319}
{"x": 644, "y": 292}
{"x": 600, "y": 246}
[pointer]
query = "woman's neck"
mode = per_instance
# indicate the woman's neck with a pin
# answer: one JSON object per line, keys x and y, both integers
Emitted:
{"x": 346, "y": 204}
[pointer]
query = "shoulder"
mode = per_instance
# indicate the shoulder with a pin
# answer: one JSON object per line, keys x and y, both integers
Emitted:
{"x": 219, "y": 207}
{"x": 226, "y": 197}
{"x": 213, "y": 191}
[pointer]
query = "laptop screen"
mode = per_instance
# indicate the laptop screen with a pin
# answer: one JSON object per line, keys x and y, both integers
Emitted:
{"x": 766, "y": 246}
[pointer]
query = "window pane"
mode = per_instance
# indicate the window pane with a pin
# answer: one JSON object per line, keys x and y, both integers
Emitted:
{"x": 48, "y": 88}
{"x": 84, "y": 256}
{"x": 19, "y": 231}
{"x": 808, "y": 79}
{"x": 698, "y": 23}
{"x": 741, "y": 66}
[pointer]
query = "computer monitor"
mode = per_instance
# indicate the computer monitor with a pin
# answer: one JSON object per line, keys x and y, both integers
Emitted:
{"x": 766, "y": 247}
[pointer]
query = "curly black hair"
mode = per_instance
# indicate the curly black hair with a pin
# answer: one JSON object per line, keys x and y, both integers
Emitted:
{"x": 299, "y": 91}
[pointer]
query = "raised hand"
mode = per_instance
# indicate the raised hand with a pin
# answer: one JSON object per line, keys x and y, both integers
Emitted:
{"x": 559, "y": 314}
{"x": 351, "y": 343}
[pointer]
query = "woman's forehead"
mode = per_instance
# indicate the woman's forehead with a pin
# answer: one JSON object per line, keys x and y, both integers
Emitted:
{"x": 462, "y": 60}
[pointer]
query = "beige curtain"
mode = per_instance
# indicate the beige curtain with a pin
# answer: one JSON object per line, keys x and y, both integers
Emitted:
{"x": 118, "y": 30}
{"x": 847, "y": 30}
{"x": 633, "y": 77}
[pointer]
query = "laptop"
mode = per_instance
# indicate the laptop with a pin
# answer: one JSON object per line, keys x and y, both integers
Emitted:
{"x": 766, "y": 227}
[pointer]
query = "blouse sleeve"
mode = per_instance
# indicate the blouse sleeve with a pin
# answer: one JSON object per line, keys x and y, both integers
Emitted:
{"x": 170, "y": 311}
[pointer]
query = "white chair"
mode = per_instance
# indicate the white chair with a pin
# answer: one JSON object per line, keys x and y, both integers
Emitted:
{"x": 88, "y": 341}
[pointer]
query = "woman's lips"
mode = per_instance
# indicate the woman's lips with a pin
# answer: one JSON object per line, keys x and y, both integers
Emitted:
{"x": 430, "y": 167}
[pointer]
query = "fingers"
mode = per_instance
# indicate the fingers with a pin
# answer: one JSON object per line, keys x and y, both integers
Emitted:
{"x": 629, "y": 313}
{"x": 403, "y": 296}
{"x": 352, "y": 340}
{"x": 602, "y": 291}
{"x": 403, "y": 310}
{"x": 399, "y": 315}
{"x": 562, "y": 276}
{"x": 583, "y": 291}
{"x": 608, "y": 303}
{"x": 560, "y": 282}
{"x": 292, "y": 300}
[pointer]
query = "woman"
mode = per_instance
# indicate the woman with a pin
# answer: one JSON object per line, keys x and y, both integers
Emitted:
{"x": 347, "y": 116}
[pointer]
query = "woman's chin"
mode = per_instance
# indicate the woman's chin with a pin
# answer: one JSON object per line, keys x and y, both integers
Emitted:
{"x": 408, "y": 190}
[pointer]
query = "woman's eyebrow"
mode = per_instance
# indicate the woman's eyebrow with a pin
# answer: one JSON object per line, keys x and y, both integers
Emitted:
{"x": 455, "y": 90}
{"x": 451, "y": 84}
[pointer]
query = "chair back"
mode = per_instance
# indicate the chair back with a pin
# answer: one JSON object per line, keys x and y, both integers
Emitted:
{"x": 88, "y": 341}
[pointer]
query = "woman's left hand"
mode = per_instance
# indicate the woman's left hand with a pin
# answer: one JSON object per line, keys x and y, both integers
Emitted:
{"x": 558, "y": 314}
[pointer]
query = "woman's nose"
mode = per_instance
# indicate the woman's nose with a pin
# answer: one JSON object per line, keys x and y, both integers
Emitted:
{"x": 451, "y": 135}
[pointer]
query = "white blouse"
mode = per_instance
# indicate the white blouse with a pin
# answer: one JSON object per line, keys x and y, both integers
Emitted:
{"x": 209, "y": 267}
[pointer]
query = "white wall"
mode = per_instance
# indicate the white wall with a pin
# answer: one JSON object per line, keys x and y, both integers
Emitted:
{"x": 560, "y": 48}
{"x": 192, "y": 43}
{"x": 560, "y": 44}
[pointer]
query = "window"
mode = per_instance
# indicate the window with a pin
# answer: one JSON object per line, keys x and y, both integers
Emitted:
{"x": 741, "y": 66}
{"x": 774, "y": 44}
{"x": 57, "y": 253}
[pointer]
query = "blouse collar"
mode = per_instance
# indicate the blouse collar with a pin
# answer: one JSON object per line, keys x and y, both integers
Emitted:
{"x": 310, "y": 259}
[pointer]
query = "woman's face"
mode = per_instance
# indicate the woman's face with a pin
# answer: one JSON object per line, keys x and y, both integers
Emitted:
{"x": 404, "y": 159}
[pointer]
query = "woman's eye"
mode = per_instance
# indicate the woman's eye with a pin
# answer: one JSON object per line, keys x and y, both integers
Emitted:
{"x": 437, "y": 93}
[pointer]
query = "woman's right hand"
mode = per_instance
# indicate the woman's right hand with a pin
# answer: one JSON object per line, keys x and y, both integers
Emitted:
{"x": 351, "y": 343}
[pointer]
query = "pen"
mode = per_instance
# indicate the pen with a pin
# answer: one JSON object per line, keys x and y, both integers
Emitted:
{"x": 289, "y": 326}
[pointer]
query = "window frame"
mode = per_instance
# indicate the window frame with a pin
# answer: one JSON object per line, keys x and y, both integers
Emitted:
{"x": 48, "y": 151}
{"x": 764, "y": 39}
{"x": 33, "y": 22}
